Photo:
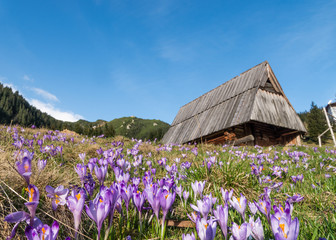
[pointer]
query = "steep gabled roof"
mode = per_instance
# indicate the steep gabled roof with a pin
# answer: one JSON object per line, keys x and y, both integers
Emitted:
{"x": 235, "y": 102}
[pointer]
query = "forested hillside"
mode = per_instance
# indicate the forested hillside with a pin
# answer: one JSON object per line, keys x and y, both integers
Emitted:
{"x": 140, "y": 128}
{"x": 15, "y": 109}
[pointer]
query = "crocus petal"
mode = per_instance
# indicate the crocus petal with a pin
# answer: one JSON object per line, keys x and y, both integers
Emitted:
{"x": 54, "y": 230}
{"x": 294, "y": 229}
{"x": 194, "y": 207}
{"x": 17, "y": 217}
{"x": 13, "y": 232}
{"x": 31, "y": 233}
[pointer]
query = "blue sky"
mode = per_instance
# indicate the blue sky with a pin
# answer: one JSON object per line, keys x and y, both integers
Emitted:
{"x": 110, "y": 59}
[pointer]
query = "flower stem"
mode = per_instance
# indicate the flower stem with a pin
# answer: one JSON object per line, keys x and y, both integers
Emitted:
{"x": 163, "y": 227}
{"x": 140, "y": 224}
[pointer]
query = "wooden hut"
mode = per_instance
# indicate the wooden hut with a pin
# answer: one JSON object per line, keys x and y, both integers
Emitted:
{"x": 251, "y": 107}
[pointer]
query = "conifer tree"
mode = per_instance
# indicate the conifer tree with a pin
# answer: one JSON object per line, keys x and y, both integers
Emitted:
{"x": 317, "y": 124}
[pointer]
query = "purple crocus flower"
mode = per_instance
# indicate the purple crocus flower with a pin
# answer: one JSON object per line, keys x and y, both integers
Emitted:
{"x": 153, "y": 196}
{"x": 227, "y": 195}
{"x": 206, "y": 229}
{"x": 91, "y": 165}
{"x": 194, "y": 216}
{"x": 60, "y": 150}
{"x": 198, "y": 187}
{"x": 212, "y": 200}
{"x": 58, "y": 195}
{"x": 241, "y": 232}
{"x": 126, "y": 194}
{"x": 41, "y": 164}
{"x": 123, "y": 177}
{"x": 100, "y": 151}
{"x": 40, "y": 142}
{"x": 267, "y": 194}
{"x": 166, "y": 201}
{"x": 89, "y": 184}
{"x": 194, "y": 151}
{"x": 82, "y": 156}
{"x": 33, "y": 201}
{"x": 285, "y": 228}
{"x": 294, "y": 198}
{"x": 98, "y": 210}
{"x": 20, "y": 216}
{"x": 221, "y": 214}
{"x": 46, "y": 232}
{"x": 256, "y": 229}
{"x": 16, "y": 218}
{"x": 75, "y": 204}
{"x": 256, "y": 170}
{"x": 18, "y": 144}
{"x": 100, "y": 173}
{"x": 24, "y": 168}
{"x": 188, "y": 236}
{"x": 202, "y": 207}
{"x": 297, "y": 178}
{"x": 185, "y": 197}
{"x": 136, "y": 181}
{"x": 280, "y": 212}
{"x": 179, "y": 191}
{"x": 139, "y": 200}
{"x": 81, "y": 171}
{"x": 253, "y": 208}
{"x": 264, "y": 206}
{"x": 110, "y": 195}
{"x": 239, "y": 204}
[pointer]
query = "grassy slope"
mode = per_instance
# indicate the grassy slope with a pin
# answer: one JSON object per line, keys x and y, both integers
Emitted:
{"x": 316, "y": 212}
{"x": 137, "y": 127}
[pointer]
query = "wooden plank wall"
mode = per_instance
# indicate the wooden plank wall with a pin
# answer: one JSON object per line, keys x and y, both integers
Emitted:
{"x": 264, "y": 135}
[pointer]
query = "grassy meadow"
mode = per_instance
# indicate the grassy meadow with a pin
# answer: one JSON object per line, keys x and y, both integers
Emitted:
{"x": 278, "y": 192}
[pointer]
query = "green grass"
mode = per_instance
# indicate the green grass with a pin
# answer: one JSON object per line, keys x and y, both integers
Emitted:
{"x": 316, "y": 213}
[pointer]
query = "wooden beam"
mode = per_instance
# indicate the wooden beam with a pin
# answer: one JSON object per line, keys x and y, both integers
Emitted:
{"x": 245, "y": 139}
{"x": 289, "y": 133}
{"x": 329, "y": 125}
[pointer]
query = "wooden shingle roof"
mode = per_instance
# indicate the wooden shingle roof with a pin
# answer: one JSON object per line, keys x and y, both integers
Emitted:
{"x": 253, "y": 95}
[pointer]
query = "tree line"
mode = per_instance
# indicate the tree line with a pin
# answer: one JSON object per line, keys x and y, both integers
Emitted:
{"x": 315, "y": 123}
{"x": 14, "y": 109}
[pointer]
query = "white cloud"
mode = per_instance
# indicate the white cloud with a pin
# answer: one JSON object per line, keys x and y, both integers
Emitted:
{"x": 27, "y": 78}
{"x": 46, "y": 95}
{"x": 54, "y": 112}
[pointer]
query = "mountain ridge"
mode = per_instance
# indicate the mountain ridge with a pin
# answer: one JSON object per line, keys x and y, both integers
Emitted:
{"x": 15, "y": 109}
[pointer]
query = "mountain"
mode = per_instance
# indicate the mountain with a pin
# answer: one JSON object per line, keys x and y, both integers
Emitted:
{"x": 139, "y": 128}
{"x": 14, "y": 109}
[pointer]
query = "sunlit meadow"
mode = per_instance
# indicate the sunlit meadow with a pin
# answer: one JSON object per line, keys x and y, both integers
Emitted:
{"x": 59, "y": 185}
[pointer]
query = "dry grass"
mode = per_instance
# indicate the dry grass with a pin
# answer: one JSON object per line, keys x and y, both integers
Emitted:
{"x": 12, "y": 187}
{"x": 235, "y": 174}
